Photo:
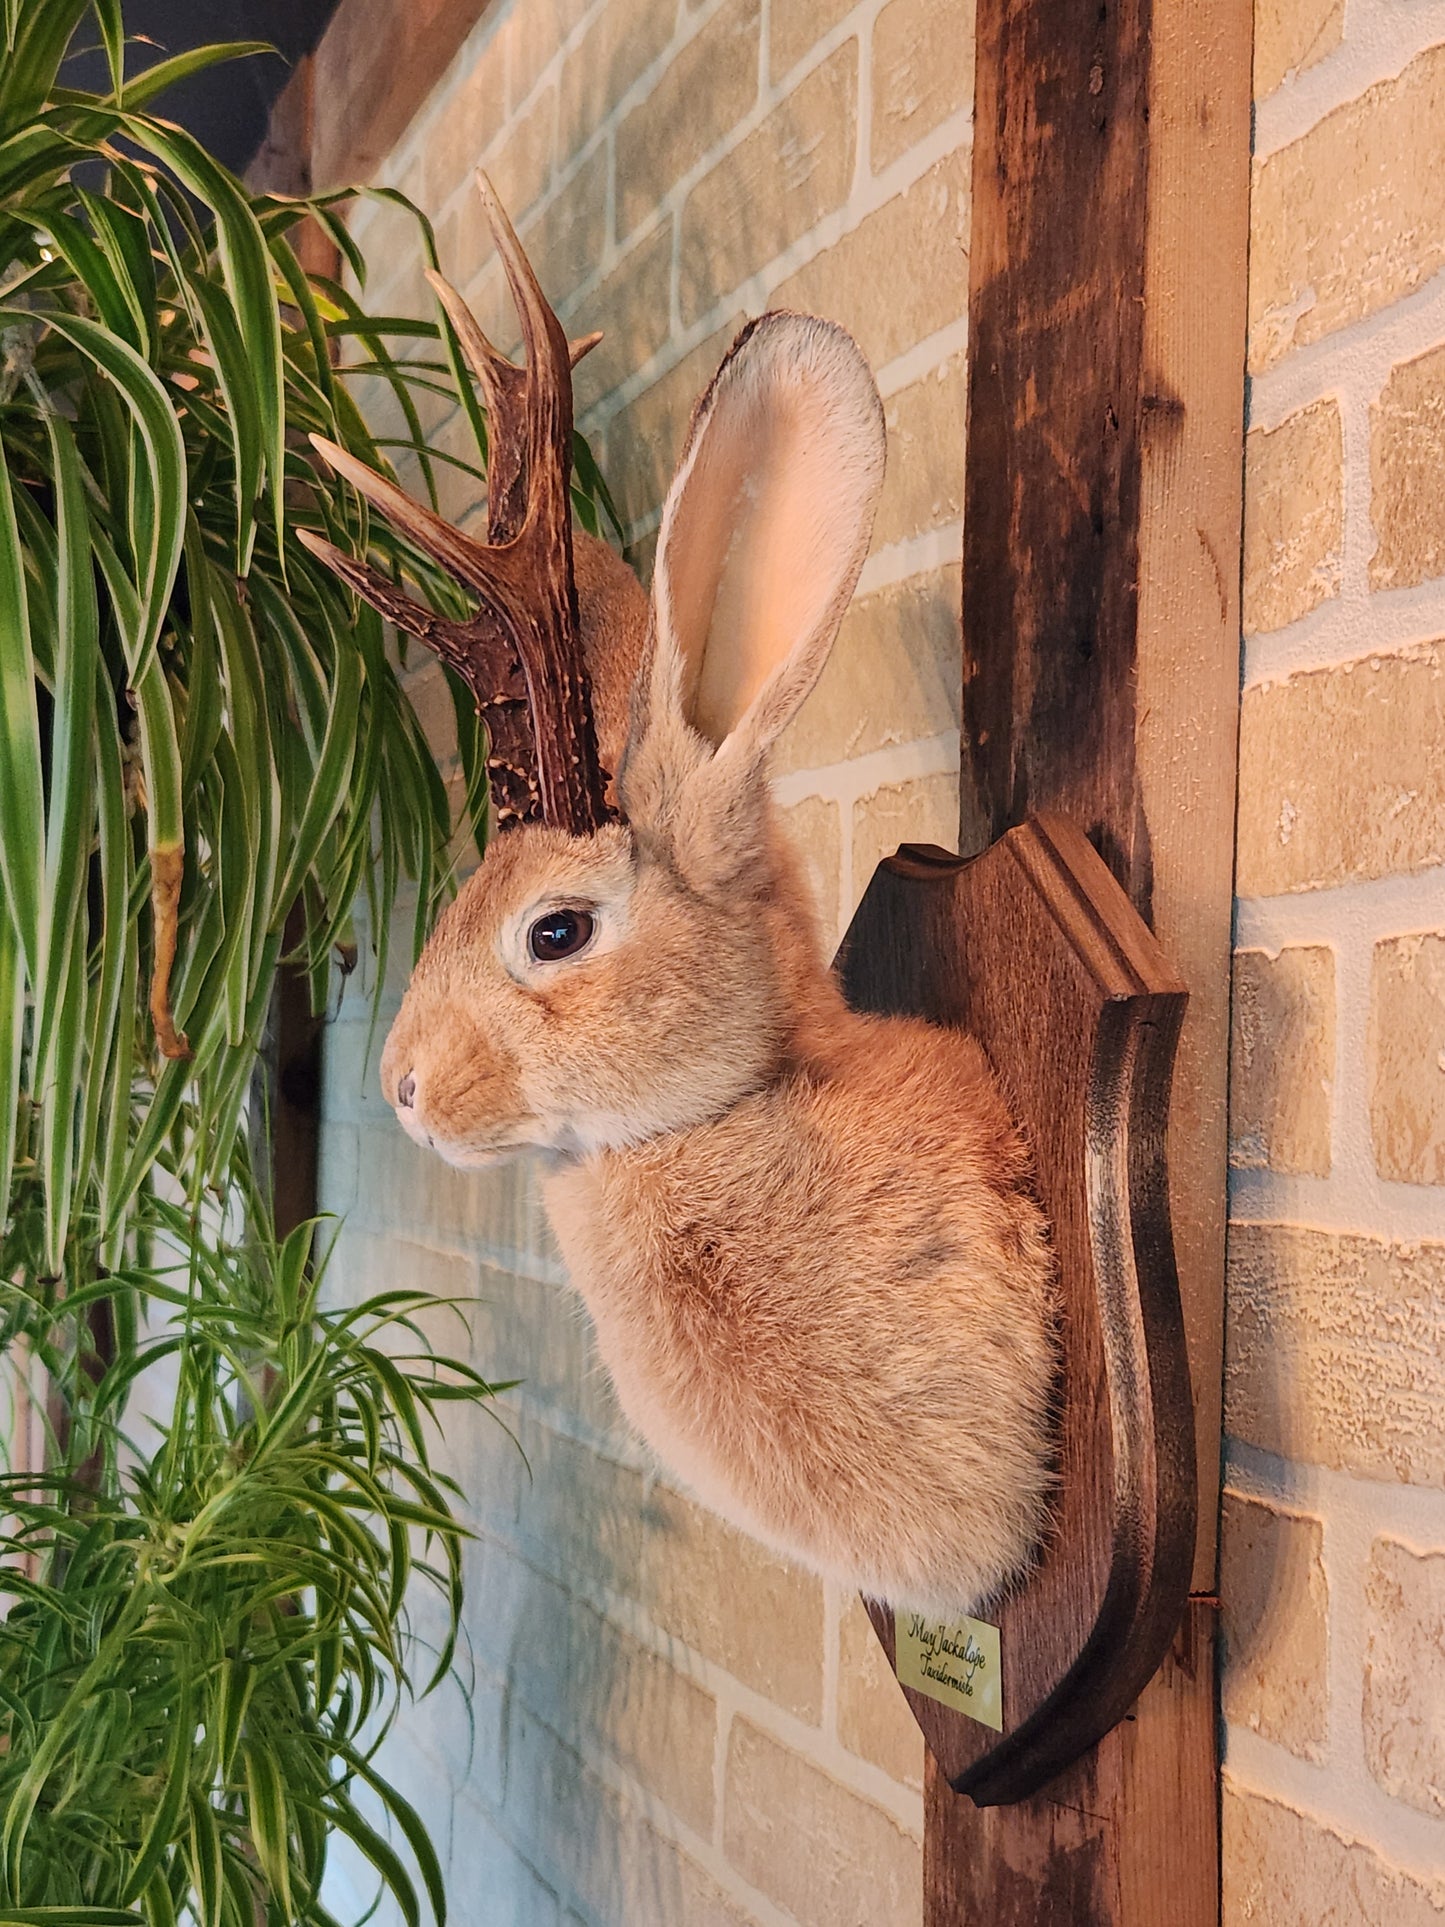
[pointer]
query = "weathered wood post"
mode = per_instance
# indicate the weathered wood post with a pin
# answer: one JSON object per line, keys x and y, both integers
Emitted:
{"x": 1101, "y": 668}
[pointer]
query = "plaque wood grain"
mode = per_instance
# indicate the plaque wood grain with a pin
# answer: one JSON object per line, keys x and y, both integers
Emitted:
{"x": 1034, "y": 948}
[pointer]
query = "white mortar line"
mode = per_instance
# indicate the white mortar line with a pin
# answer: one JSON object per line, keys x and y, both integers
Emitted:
{"x": 1342, "y": 1204}
{"x": 916, "y": 555}
{"x": 1388, "y": 1507}
{"x": 812, "y": 1742}
{"x": 1357, "y": 356}
{"x": 1367, "y": 909}
{"x": 1341, "y": 1789}
{"x": 923, "y": 359}
{"x": 847, "y": 782}
{"x": 1363, "y": 1813}
{"x": 1349, "y": 920}
{"x": 832, "y": 1656}
{"x": 1347, "y": 629}
{"x": 1380, "y": 40}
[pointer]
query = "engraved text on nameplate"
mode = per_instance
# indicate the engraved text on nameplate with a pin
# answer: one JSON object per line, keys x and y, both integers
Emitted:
{"x": 958, "y": 1664}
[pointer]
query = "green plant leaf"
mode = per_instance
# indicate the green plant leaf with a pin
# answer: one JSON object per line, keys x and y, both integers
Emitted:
{"x": 160, "y": 438}
{"x": 269, "y": 1810}
{"x": 165, "y": 74}
{"x": 22, "y": 804}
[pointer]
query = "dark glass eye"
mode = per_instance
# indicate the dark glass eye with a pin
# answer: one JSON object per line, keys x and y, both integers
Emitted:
{"x": 561, "y": 933}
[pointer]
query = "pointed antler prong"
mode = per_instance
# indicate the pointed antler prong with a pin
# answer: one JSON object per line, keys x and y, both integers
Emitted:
{"x": 526, "y": 634}
{"x": 541, "y": 330}
{"x": 477, "y": 567}
{"x": 487, "y": 362}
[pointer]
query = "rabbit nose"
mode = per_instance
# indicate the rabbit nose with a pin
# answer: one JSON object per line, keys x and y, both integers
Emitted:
{"x": 406, "y": 1090}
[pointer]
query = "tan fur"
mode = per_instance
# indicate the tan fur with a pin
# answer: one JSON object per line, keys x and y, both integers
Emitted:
{"x": 613, "y": 614}
{"x": 804, "y": 1235}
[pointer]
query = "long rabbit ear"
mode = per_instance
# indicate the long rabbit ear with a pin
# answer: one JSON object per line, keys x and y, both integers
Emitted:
{"x": 764, "y": 532}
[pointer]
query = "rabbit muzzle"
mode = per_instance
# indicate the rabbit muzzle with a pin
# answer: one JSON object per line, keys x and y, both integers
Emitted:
{"x": 451, "y": 1090}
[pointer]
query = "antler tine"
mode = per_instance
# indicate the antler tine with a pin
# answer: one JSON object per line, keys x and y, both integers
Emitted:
{"x": 547, "y": 389}
{"x": 504, "y": 385}
{"x": 479, "y": 652}
{"x": 469, "y": 562}
{"x": 526, "y": 634}
{"x": 569, "y": 775}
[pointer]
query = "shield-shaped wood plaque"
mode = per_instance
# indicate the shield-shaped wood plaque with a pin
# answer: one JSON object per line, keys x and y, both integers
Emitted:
{"x": 1035, "y": 949}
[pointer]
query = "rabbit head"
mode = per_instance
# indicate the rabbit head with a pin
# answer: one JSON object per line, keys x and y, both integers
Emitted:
{"x": 592, "y": 990}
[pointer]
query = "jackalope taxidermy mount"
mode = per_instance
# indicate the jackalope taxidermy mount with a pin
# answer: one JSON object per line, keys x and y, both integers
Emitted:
{"x": 805, "y": 1235}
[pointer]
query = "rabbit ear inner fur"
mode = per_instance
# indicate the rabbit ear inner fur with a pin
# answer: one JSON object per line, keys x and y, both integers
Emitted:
{"x": 764, "y": 532}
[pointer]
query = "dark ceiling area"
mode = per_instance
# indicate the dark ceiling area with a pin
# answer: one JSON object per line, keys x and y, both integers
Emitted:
{"x": 227, "y": 107}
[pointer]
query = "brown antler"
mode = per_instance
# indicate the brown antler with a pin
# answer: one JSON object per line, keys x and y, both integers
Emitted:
{"x": 520, "y": 655}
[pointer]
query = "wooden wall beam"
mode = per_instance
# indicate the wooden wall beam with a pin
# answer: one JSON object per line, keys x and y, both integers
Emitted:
{"x": 1103, "y": 500}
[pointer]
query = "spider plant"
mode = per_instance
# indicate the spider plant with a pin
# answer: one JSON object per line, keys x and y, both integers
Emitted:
{"x": 203, "y": 742}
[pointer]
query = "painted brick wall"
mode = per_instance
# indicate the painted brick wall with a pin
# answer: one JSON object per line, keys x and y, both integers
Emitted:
{"x": 671, "y": 1727}
{"x": 1334, "y": 1520}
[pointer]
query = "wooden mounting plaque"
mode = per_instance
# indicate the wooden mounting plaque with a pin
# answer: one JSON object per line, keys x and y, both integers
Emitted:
{"x": 1035, "y": 949}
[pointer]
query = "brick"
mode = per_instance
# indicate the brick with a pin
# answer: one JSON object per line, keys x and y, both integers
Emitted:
{"x": 470, "y": 263}
{"x": 1293, "y": 517}
{"x": 1339, "y": 773}
{"x": 901, "y": 274}
{"x": 859, "y": 1866}
{"x": 597, "y": 1687}
{"x": 461, "y": 1723}
{"x": 1332, "y": 1350}
{"x": 496, "y": 1214}
{"x": 644, "y": 439}
{"x": 633, "y": 308}
{"x": 617, "y": 49}
{"x": 873, "y": 1717}
{"x": 339, "y": 1155}
{"x": 1282, "y": 1059}
{"x": 1290, "y": 36}
{"x": 772, "y": 187}
{"x": 489, "y": 1883}
{"x": 472, "y": 116}
{"x": 922, "y": 810}
{"x": 704, "y": 1583}
{"x": 816, "y": 830}
{"x": 349, "y": 1086}
{"x": 595, "y": 1842}
{"x": 374, "y": 66}
{"x": 1407, "y": 1058}
{"x": 1339, "y": 228}
{"x": 1275, "y": 1624}
{"x": 1407, "y": 459}
{"x": 566, "y": 241}
{"x": 430, "y": 698}
{"x": 561, "y": 1813}
{"x": 797, "y": 25}
{"x": 706, "y": 90}
{"x": 1404, "y": 1705}
{"x": 892, "y": 676}
{"x": 922, "y": 72}
{"x": 519, "y": 165}
{"x": 537, "y": 30}
{"x": 391, "y": 245}
{"x": 665, "y": 1884}
{"x": 537, "y": 1333}
{"x": 461, "y": 498}
{"x": 1283, "y": 1868}
{"x": 923, "y": 485}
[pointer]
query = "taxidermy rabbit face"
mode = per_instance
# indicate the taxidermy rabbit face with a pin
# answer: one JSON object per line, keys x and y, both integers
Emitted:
{"x": 590, "y": 992}
{"x": 577, "y": 994}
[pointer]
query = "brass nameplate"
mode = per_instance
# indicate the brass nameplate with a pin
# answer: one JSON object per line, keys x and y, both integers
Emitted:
{"x": 959, "y": 1665}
